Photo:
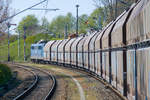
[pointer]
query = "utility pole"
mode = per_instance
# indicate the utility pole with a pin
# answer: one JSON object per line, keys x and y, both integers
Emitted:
{"x": 8, "y": 25}
{"x": 99, "y": 22}
{"x": 18, "y": 44}
{"x": 116, "y": 9}
{"x": 24, "y": 28}
{"x": 104, "y": 15}
{"x": 66, "y": 31}
{"x": 46, "y": 34}
{"x": 77, "y": 22}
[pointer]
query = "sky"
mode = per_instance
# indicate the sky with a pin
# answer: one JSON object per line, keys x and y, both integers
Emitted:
{"x": 65, "y": 6}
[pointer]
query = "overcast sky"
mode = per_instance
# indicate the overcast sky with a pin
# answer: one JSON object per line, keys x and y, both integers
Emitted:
{"x": 65, "y": 6}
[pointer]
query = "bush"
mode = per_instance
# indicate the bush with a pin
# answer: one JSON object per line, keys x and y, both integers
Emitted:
{"x": 5, "y": 74}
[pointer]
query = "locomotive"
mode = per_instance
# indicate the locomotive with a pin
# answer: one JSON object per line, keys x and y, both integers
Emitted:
{"x": 119, "y": 53}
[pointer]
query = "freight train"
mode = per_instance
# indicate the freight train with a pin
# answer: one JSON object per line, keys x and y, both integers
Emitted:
{"x": 119, "y": 53}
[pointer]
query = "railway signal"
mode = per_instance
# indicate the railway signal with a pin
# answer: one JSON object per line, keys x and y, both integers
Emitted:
{"x": 24, "y": 28}
{"x": 18, "y": 44}
{"x": 9, "y": 25}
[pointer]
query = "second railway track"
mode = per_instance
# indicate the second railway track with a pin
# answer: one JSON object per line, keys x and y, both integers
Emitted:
{"x": 45, "y": 86}
{"x": 42, "y": 87}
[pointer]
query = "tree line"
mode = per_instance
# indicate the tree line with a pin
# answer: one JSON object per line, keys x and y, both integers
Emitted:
{"x": 105, "y": 12}
{"x": 62, "y": 24}
{"x": 113, "y": 8}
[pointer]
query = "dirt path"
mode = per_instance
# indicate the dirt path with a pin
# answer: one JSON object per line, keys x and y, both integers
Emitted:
{"x": 80, "y": 89}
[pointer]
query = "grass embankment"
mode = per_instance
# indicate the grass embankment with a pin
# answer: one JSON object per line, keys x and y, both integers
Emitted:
{"x": 5, "y": 74}
{"x": 14, "y": 47}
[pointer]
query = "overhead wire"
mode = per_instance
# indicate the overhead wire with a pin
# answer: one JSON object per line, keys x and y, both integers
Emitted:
{"x": 22, "y": 11}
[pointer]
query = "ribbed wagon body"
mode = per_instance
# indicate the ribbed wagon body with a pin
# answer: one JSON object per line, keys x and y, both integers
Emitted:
{"x": 47, "y": 50}
{"x": 92, "y": 52}
{"x": 54, "y": 51}
{"x": 80, "y": 52}
{"x": 86, "y": 56}
{"x": 119, "y": 53}
{"x": 68, "y": 52}
{"x": 61, "y": 51}
{"x": 106, "y": 55}
{"x": 98, "y": 52}
{"x": 74, "y": 51}
{"x": 117, "y": 57}
{"x": 138, "y": 24}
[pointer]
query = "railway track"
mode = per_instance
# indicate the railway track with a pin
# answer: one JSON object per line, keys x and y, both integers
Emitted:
{"x": 92, "y": 75}
{"x": 42, "y": 87}
{"x": 30, "y": 88}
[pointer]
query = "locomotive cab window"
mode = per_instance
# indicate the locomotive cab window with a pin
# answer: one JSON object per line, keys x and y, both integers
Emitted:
{"x": 32, "y": 47}
{"x": 39, "y": 47}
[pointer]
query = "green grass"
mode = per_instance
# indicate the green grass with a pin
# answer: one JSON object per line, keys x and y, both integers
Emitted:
{"x": 14, "y": 47}
{"x": 5, "y": 74}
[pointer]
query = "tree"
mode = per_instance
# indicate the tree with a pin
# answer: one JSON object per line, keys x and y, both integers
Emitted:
{"x": 45, "y": 23}
{"x": 4, "y": 13}
{"x": 44, "y": 27}
{"x": 30, "y": 24}
{"x": 108, "y": 8}
{"x": 96, "y": 19}
{"x": 113, "y": 8}
{"x": 123, "y": 5}
{"x": 83, "y": 23}
{"x": 70, "y": 22}
{"x": 57, "y": 26}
